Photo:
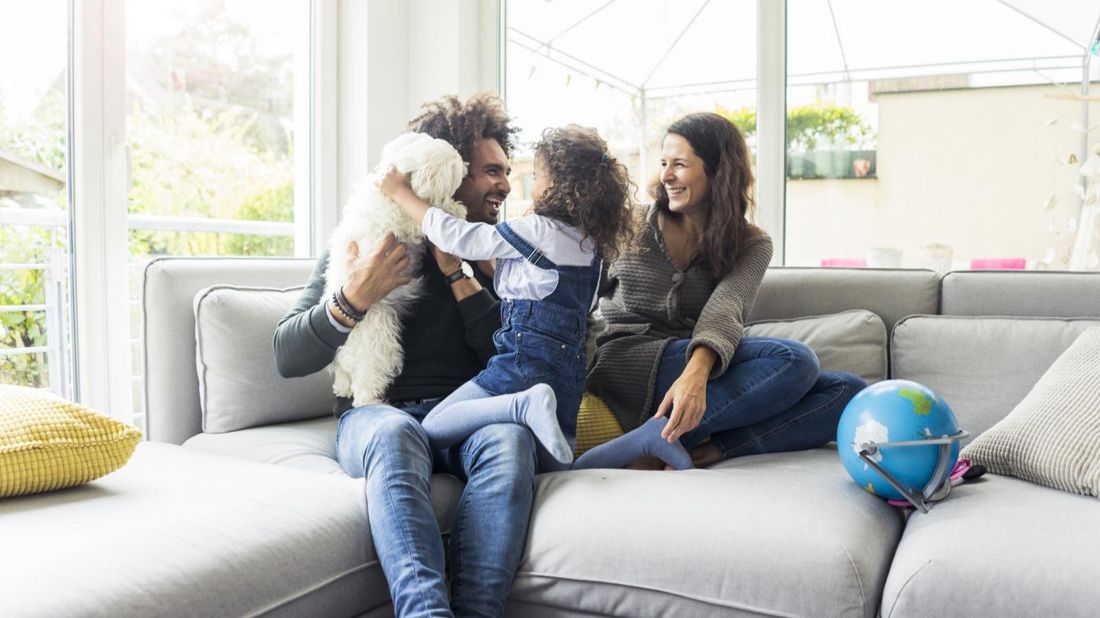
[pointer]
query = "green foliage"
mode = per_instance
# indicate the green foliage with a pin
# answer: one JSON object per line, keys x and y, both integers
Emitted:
{"x": 274, "y": 205}
{"x": 24, "y": 329}
{"x": 189, "y": 163}
{"x": 744, "y": 119}
{"x": 41, "y": 138}
{"x": 833, "y": 125}
{"x": 208, "y": 139}
{"x": 808, "y": 125}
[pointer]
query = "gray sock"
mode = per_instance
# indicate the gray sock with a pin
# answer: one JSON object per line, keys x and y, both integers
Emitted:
{"x": 645, "y": 441}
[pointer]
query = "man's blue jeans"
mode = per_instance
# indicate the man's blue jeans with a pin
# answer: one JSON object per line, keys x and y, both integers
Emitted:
{"x": 388, "y": 446}
{"x": 771, "y": 398}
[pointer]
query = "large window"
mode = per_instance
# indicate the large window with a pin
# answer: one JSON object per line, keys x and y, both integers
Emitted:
{"x": 629, "y": 69}
{"x": 34, "y": 280}
{"x": 210, "y": 123}
{"x": 918, "y": 134}
{"x": 212, "y": 151}
{"x": 937, "y": 134}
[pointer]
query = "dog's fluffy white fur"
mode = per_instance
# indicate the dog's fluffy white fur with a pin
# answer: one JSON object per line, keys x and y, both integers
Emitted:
{"x": 372, "y": 357}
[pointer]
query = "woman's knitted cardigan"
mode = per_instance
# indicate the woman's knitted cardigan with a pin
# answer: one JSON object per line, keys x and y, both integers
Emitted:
{"x": 652, "y": 301}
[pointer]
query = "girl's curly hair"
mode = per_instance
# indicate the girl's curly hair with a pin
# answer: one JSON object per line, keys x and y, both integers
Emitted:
{"x": 462, "y": 125}
{"x": 588, "y": 188}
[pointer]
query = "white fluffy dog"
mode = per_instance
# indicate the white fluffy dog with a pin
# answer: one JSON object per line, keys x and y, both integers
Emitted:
{"x": 372, "y": 356}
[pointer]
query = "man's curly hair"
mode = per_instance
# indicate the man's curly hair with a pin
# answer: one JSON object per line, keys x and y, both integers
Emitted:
{"x": 463, "y": 125}
{"x": 588, "y": 188}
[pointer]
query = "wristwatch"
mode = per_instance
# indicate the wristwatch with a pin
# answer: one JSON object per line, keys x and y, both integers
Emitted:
{"x": 458, "y": 274}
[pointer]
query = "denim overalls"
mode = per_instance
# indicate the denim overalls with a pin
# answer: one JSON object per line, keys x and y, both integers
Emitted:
{"x": 543, "y": 340}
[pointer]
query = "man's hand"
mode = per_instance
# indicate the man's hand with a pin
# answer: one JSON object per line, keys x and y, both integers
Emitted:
{"x": 447, "y": 262}
{"x": 372, "y": 277}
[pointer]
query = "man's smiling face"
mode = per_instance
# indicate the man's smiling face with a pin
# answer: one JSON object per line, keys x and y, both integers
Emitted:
{"x": 486, "y": 184}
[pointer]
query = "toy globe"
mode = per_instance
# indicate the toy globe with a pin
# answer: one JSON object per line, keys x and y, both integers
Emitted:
{"x": 899, "y": 440}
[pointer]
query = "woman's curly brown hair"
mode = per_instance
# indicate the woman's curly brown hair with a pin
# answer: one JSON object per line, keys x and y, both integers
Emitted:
{"x": 588, "y": 188}
{"x": 462, "y": 125}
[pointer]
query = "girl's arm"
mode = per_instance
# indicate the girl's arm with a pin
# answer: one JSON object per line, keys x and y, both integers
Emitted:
{"x": 469, "y": 241}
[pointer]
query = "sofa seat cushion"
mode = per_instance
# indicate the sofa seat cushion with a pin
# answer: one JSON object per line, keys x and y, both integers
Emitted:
{"x": 780, "y": 534}
{"x": 311, "y": 445}
{"x": 177, "y": 532}
{"x": 998, "y": 547}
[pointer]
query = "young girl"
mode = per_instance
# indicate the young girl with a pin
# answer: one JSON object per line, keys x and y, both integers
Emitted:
{"x": 548, "y": 268}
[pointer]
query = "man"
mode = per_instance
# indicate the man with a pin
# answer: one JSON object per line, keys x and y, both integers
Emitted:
{"x": 447, "y": 338}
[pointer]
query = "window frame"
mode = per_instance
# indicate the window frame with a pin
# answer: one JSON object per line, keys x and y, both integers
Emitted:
{"x": 99, "y": 180}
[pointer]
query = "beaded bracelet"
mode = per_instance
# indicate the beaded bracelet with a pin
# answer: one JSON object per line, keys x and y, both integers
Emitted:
{"x": 346, "y": 304}
{"x": 346, "y": 309}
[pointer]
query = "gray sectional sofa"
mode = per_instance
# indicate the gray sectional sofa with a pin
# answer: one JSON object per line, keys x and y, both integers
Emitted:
{"x": 262, "y": 521}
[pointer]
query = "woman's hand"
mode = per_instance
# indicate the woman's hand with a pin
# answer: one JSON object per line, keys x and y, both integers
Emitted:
{"x": 687, "y": 397}
{"x": 394, "y": 182}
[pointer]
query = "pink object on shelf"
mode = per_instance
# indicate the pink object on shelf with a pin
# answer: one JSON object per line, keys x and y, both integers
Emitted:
{"x": 998, "y": 264}
{"x": 844, "y": 262}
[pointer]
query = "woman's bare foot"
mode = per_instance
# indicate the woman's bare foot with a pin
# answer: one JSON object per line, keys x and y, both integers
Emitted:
{"x": 706, "y": 454}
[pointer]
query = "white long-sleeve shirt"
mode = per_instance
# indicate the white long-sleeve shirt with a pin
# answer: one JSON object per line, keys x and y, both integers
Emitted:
{"x": 516, "y": 277}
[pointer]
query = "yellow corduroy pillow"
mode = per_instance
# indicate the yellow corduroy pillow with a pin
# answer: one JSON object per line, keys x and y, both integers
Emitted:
{"x": 596, "y": 424}
{"x": 48, "y": 443}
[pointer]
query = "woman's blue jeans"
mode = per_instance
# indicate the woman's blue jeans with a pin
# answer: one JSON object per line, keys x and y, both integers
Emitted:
{"x": 388, "y": 446}
{"x": 771, "y": 398}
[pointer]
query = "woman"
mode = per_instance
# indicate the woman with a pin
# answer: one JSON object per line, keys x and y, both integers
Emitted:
{"x": 672, "y": 364}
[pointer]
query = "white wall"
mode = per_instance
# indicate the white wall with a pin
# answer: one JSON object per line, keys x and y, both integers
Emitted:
{"x": 396, "y": 55}
{"x": 447, "y": 46}
{"x": 967, "y": 168}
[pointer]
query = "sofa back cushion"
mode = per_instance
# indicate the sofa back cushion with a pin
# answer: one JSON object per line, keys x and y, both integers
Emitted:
{"x": 891, "y": 293}
{"x": 981, "y": 366}
{"x": 239, "y": 385}
{"x": 1028, "y": 293}
{"x": 172, "y": 409}
{"x": 852, "y": 341}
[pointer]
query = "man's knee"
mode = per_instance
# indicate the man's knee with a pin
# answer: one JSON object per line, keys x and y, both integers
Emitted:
{"x": 383, "y": 432}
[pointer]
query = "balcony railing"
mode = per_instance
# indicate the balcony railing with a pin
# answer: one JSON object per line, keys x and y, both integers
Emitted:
{"x": 55, "y": 276}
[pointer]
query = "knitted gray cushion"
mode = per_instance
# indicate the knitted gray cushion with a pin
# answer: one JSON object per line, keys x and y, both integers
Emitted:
{"x": 1052, "y": 437}
{"x": 239, "y": 386}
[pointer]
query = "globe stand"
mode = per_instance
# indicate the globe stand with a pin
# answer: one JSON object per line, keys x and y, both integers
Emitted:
{"x": 937, "y": 487}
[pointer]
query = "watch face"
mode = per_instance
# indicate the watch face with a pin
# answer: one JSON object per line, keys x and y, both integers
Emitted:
{"x": 467, "y": 269}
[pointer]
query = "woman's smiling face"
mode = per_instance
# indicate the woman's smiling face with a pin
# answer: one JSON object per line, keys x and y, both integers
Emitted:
{"x": 683, "y": 175}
